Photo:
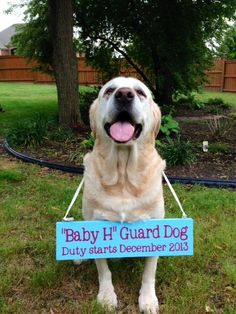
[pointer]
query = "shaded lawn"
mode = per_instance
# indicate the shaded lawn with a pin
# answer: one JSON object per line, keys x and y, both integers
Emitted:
{"x": 32, "y": 281}
{"x": 22, "y": 101}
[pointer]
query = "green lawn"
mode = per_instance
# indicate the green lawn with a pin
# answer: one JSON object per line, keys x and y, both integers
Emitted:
{"x": 22, "y": 101}
{"x": 32, "y": 281}
{"x": 33, "y": 199}
{"x": 229, "y": 98}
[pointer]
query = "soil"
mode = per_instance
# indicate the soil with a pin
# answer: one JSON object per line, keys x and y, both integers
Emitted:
{"x": 219, "y": 129}
{"x": 211, "y": 164}
{"x": 218, "y": 163}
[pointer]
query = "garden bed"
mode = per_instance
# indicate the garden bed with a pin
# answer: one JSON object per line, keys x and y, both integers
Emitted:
{"x": 218, "y": 163}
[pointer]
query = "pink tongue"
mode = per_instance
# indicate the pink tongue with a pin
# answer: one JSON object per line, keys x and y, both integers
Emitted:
{"x": 122, "y": 131}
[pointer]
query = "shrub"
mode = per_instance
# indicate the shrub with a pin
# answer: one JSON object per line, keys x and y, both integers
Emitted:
{"x": 86, "y": 99}
{"x": 219, "y": 127}
{"x": 189, "y": 101}
{"x": 215, "y": 101}
{"x": 88, "y": 142}
{"x": 169, "y": 126}
{"x": 60, "y": 134}
{"x": 216, "y": 105}
{"x": 28, "y": 133}
{"x": 78, "y": 154}
{"x": 177, "y": 152}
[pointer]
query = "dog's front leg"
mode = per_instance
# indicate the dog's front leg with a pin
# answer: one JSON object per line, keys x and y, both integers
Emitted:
{"x": 148, "y": 302}
{"x": 106, "y": 294}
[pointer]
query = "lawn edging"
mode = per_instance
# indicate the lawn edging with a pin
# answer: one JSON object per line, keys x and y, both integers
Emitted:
{"x": 80, "y": 170}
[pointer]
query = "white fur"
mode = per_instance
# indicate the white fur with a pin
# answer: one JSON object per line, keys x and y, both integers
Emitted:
{"x": 123, "y": 182}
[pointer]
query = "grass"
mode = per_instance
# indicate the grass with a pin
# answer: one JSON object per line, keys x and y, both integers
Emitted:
{"x": 22, "y": 101}
{"x": 229, "y": 98}
{"x": 33, "y": 199}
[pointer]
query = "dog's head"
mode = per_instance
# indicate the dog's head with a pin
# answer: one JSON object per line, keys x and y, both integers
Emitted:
{"x": 124, "y": 111}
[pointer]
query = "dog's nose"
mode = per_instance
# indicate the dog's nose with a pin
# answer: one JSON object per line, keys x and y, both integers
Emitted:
{"x": 124, "y": 95}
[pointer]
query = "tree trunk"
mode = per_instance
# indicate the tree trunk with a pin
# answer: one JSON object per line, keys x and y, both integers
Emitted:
{"x": 65, "y": 62}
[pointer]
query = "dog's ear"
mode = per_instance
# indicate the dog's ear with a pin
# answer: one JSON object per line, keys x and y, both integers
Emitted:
{"x": 92, "y": 116}
{"x": 157, "y": 118}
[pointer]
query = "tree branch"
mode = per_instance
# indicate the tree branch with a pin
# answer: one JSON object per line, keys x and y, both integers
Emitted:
{"x": 129, "y": 60}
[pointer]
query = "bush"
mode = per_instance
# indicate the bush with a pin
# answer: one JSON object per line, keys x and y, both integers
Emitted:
{"x": 220, "y": 127}
{"x": 176, "y": 152}
{"x": 215, "y": 101}
{"x": 88, "y": 143}
{"x": 60, "y": 134}
{"x": 86, "y": 99}
{"x": 189, "y": 101}
{"x": 216, "y": 105}
{"x": 169, "y": 126}
{"x": 78, "y": 154}
{"x": 28, "y": 133}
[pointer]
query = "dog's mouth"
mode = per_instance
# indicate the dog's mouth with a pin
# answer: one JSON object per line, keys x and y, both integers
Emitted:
{"x": 123, "y": 129}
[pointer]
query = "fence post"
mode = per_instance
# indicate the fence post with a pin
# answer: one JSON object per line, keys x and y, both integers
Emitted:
{"x": 222, "y": 83}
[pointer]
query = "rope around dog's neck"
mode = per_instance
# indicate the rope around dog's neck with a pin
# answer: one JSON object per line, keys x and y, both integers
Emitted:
{"x": 175, "y": 195}
{"x": 65, "y": 218}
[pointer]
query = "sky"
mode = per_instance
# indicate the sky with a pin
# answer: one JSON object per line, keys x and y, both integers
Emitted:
{"x": 7, "y": 20}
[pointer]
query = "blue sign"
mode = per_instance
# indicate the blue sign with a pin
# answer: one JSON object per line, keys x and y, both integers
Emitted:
{"x": 106, "y": 239}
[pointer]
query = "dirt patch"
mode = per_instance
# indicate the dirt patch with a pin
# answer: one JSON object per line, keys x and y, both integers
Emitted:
{"x": 218, "y": 163}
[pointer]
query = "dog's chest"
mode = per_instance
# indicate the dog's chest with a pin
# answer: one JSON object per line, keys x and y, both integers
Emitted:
{"x": 124, "y": 203}
{"x": 121, "y": 189}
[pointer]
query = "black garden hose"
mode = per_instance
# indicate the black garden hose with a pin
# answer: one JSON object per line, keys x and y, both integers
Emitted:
{"x": 80, "y": 170}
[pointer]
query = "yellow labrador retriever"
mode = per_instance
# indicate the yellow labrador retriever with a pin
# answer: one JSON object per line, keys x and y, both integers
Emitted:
{"x": 123, "y": 173}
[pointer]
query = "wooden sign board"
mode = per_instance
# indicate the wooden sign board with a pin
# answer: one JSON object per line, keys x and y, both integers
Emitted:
{"x": 106, "y": 239}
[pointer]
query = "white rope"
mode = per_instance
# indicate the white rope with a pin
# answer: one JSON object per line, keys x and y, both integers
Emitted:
{"x": 65, "y": 218}
{"x": 175, "y": 195}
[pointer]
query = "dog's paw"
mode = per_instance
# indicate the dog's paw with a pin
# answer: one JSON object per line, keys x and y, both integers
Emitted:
{"x": 148, "y": 303}
{"x": 107, "y": 297}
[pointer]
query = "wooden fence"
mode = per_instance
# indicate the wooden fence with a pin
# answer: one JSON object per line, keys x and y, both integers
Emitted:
{"x": 17, "y": 69}
{"x": 222, "y": 77}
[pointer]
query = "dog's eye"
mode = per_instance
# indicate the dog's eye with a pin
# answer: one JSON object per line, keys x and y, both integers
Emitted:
{"x": 141, "y": 92}
{"x": 109, "y": 91}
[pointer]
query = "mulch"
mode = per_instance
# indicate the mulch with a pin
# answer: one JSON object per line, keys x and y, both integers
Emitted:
{"x": 212, "y": 165}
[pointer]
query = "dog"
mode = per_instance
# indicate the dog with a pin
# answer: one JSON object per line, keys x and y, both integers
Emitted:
{"x": 123, "y": 172}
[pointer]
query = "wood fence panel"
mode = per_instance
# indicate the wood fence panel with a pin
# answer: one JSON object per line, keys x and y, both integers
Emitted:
{"x": 222, "y": 77}
{"x": 230, "y": 76}
{"x": 15, "y": 69}
{"x": 43, "y": 78}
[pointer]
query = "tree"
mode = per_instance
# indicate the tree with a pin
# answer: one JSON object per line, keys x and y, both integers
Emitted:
{"x": 65, "y": 61}
{"x": 47, "y": 37}
{"x": 227, "y": 48}
{"x": 163, "y": 40}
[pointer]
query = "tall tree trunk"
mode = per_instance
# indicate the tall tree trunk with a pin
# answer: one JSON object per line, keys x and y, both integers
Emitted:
{"x": 65, "y": 62}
